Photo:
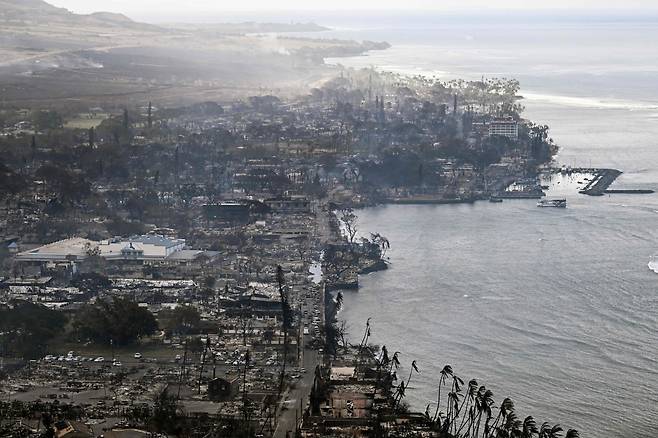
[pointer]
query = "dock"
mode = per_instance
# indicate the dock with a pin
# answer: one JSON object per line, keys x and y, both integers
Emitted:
{"x": 424, "y": 200}
{"x": 630, "y": 192}
{"x": 520, "y": 194}
{"x": 603, "y": 178}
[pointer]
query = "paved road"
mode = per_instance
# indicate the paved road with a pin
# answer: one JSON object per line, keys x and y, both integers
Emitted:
{"x": 310, "y": 360}
{"x": 302, "y": 390}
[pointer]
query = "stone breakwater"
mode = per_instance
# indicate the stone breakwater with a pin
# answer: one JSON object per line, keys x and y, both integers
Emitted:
{"x": 603, "y": 178}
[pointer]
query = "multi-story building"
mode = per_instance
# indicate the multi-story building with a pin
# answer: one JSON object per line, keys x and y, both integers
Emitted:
{"x": 505, "y": 127}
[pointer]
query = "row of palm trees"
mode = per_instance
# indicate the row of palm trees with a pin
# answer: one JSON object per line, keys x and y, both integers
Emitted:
{"x": 462, "y": 410}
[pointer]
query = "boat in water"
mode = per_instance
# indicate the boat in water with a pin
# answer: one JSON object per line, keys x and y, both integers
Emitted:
{"x": 653, "y": 263}
{"x": 557, "y": 203}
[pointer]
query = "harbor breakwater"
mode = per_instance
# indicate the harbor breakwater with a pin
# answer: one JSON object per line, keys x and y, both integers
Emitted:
{"x": 603, "y": 178}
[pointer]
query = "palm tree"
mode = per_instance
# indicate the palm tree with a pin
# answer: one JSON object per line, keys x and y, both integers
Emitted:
{"x": 483, "y": 403}
{"x": 391, "y": 376}
{"x": 453, "y": 401}
{"x": 445, "y": 372}
{"x": 468, "y": 400}
{"x": 382, "y": 362}
{"x": 339, "y": 301}
{"x": 366, "y": 334}
{"x": 395, "y": 362}
{"x": 512, "y": 426}
{"x": 399, "y": 394}
{"x": 414, "y": 367}
{"x": 572, "y": 433}
{"x": 404, "y": 386}
{"x": 364, "y": 342}
{"x": 529, "y": 427}
{"x": 546, "y": 431}
{"x": 506, "y": 407}
{"x": 383, "y": 357}
{"x": 451, "y": 411}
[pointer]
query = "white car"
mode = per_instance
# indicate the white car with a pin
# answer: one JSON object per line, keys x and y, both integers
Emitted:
{"x": 138, "y": 355}
{"x": 117, "y": 363}
{"x": 99, "y": 359}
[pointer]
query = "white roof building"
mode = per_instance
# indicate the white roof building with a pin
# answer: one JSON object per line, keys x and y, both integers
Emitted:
{"x": 142, "y": 248}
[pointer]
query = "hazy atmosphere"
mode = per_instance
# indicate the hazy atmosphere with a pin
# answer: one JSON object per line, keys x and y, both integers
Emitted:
{"x": 156, "y": 10}
{"x": 343, "y": 219}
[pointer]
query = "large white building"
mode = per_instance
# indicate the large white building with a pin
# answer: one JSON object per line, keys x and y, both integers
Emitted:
{"x": 505, "y": 127}
{"x": 147, "y": 249}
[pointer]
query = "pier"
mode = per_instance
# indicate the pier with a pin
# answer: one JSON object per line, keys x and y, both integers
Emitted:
{"x": 518, "y": 194}
{"x": 423, "y": 200}
{"x": 603, "y": 178}
{"x": 630, "y": 192}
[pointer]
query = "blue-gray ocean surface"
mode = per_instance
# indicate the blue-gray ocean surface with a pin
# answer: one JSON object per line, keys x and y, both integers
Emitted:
{"x": 557, "y": 309}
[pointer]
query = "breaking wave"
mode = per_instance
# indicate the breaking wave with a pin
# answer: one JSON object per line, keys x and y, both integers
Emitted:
{"x": 591, "y": 102}
{"x": 653, "y": 263}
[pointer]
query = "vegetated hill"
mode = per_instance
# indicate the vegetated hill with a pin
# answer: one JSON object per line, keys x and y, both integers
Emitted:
{"x": 51, "y": 56}
{"x": 16, "y": 13}
{"x": 29, "y": 10}
{"x": 112, "y": 17}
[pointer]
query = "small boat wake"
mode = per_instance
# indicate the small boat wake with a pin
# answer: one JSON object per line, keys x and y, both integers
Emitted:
{"x": 653, "y": 263}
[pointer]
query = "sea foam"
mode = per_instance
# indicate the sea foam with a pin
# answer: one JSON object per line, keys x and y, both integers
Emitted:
{"x": 591, "y": 102}
{"x": 653, "y": 264}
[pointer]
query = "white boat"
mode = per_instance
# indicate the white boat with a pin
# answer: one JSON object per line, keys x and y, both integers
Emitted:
{"x": 557, "y": 203}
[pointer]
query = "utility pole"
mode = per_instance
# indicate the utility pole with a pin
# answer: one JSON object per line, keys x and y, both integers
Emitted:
{"x": 203, "y": 361}
{"x": 182, "y": 371}
{"x": 244, "y": 387}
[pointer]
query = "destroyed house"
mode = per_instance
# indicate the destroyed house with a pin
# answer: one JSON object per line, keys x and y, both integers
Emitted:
{"x": 242, "y": 211}
{"x": 294, "y": 204}
{"x": 223, "y": 389}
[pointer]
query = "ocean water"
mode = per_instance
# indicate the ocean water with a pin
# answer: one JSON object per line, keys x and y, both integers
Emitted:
{"x": 553, "y": 308}
{"x": 557, "y": 309}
